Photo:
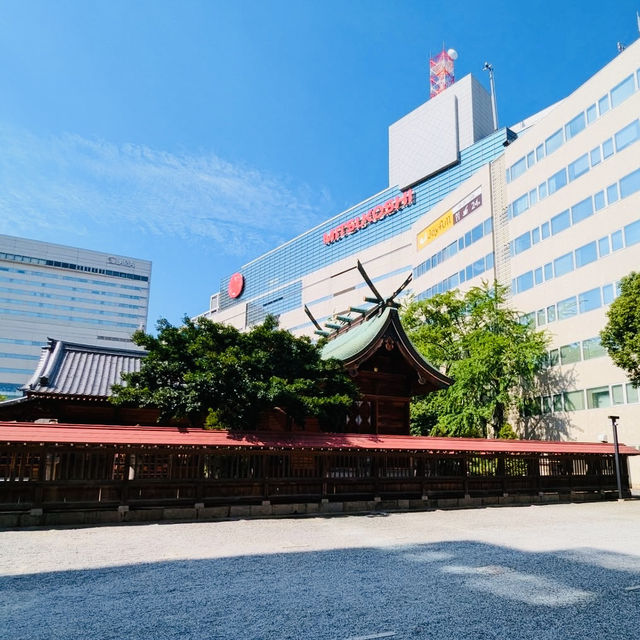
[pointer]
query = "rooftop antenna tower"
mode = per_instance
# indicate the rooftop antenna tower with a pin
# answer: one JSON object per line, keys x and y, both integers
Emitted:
{"x": 494, "y": 107}
{"x": 441, "y": 73}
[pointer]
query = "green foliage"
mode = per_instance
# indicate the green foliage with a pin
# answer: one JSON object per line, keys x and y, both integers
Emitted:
{"x": 213, "y": 375}
{"x": 621, "y": 335}
{"x": 477, "y": 340}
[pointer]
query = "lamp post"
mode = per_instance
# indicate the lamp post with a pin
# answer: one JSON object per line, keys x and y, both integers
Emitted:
{"x": 614, "y": 426}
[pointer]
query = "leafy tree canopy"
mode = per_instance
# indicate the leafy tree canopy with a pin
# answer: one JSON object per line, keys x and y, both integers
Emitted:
{"x": 209, "y": 372}
{"x": 493, "y": 358}
{"x": 621, "y": 335}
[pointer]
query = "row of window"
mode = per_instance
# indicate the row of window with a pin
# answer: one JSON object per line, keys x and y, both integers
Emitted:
{"x": 54, "y": 296}
{"x": 571, "y": 307}
{"x": 64, "y": 287}
{"x": 57, "y": 276}
{"x": 470, "y": 237}
{"x": 61, "y": 318}
{"x": 30, "y": 343}
{"x": 577, "y": 213}
{"x": 625, "y": 137}
{"x": 12, "y": 257}
{"x": 18, "y": 356}
{"x": 68, "y": 307}
{"x": 582, "y": 256}
{"x": 578, "y": 123}
{"x": 576, "y": 351}
{"x": 594, "y": 398}
{"x": 470, "y": 271}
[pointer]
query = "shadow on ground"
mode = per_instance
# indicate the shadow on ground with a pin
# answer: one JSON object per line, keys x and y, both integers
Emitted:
{"x": 447, "y": 591}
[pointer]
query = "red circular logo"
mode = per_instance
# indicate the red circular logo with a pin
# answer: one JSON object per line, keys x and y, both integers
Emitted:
{"x": 236, "y": 285}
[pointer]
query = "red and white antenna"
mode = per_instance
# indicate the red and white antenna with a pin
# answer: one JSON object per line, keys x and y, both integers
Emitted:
{"x": 441, "y": 72}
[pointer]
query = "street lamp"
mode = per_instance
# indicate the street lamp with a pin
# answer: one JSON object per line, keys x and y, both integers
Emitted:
{"x": 614, "y": 426}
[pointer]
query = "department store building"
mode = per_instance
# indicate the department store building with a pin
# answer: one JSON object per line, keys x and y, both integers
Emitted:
{"x": 550, "y": 207}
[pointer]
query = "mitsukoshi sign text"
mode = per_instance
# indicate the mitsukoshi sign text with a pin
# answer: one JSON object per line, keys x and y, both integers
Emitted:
{"x": 373, "y": 215}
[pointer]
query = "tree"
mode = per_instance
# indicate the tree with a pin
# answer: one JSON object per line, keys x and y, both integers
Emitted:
{"x": 621, "y": 335}
{"x": 493, "y": 358}
{"x": 208, "y": 372}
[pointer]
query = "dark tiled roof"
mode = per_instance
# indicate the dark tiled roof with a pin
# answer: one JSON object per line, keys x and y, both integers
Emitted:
{"x": 69, "y": 369}
{"x": 174, "y": 436}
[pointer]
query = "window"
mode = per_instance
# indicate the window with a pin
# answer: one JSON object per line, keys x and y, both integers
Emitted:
{"x": 542, "y": 191}
{"x": 603, "y": 246}
{"x": 546, "y": 404}
{"x": 541, "y": 317}
{"x": 632, "y": 393}
{"x": 551, "y": 313}
{"x": 553, "y": 142}
{"x": 533, "y": 197}
{"x": 557, "y": 402}
{"x": 525, "y": 281}
{"x": 582, "y": 210}
{"x": 612, "y": 193}
{"x": 522, "y": 243}
{"x": 567, "y": 308}
{"x": 476, "y": 233}
{"x": 616, "y": 241}
{"x": 627, "y": 136}
{"x": 488, "y": 226}
{"x": 560, "y": 222}
{"x": 607, "y": 294}
{"x": 539, "y": 152}
{"x": 598, "y": 200}
{"x": 537, "y": 276}
{"x": 573, "y": 400}
{"x": 592, "y": 348}
{"x": 545, "y": 230}
{"x": 575, "y": 126}
{"x": 630, "y": 184}
{"x": 530, "y": 160}
{"x": 563, "y": 265}
{"x": 607, "y": 148}
{"x": 592, "y": 114}
{"x": 589, "y": 300}
{"x": 622, "y": 91}
{"x": 578, "y": 167}
{"x": 535, "y": 236}
{"x": 586, "y": 254}
{"x": 617, "y": 394}
{"x": 518, "y": 168}
{"x": 632, "y": 233}
{"x": 554, "y": 358}
{"x": 570, "y": 353}
{"x": 520, "y": 205}
{"x": 557, "y": 181}
{"x": 548, "y": 271}
{"x": 598, "y": 398}
{"x": 603, "y": 104}
{"x": 595, "y": 156}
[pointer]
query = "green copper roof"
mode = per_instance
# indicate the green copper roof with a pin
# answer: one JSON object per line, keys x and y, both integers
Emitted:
{"x": 348, "y": 345}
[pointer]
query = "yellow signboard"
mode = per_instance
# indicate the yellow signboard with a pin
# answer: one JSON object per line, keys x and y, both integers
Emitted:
{"x": 435, "y": 229}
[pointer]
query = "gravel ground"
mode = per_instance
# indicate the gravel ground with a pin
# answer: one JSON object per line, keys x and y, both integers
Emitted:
{"x": 553, "y": 571}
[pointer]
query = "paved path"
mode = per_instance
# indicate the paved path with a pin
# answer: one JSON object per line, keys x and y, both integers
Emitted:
{"x": 553, "y": 571}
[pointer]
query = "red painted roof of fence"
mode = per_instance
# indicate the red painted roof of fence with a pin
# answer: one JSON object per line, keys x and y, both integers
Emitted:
{"x": 81, "y": 434}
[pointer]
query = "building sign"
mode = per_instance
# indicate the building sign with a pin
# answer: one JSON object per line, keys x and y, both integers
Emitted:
{"x": 121, "y": 262}
{"x": 456, "y": 214}
{"x": 373, "y": 215}
{"x": 236, "y": 285}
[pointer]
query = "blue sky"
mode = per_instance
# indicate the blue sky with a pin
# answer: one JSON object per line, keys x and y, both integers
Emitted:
{"x": 199, "y": 134}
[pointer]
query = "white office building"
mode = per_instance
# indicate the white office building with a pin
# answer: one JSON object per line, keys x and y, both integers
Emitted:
{"x": 76, "y": 295}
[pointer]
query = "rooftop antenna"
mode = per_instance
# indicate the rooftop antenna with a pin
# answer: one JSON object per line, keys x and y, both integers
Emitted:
{"x": 489, "y": 67}
{"x": 441, "y": 73}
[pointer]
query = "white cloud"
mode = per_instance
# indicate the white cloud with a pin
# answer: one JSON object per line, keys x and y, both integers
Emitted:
{"x": 70, "y": 183}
